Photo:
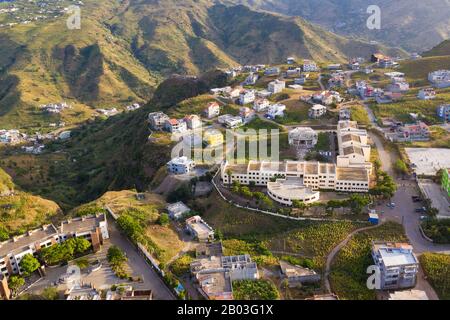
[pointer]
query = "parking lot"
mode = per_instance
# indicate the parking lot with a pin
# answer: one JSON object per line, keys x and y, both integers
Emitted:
{"x": 438, "y": 198}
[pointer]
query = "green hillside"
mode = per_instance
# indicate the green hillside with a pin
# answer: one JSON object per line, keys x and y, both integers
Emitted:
{"x": 125, "y": 49}
{"x": 442, "y": 49}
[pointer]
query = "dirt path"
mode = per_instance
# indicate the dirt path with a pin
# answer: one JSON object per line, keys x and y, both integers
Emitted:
{"x": 336, "y": 249}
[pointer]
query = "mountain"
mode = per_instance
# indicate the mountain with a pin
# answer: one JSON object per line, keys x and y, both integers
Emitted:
{"x": 413, "y": 25}
{"x": 124, "y": 49}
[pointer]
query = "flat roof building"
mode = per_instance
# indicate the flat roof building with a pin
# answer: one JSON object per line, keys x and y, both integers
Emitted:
{"x": 199, "y": 229}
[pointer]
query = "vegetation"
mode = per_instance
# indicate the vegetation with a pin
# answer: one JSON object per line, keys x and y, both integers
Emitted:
{"x": 437, "y": 229}
{"x": 181, "y": 266}
{"x": 401, "y": 167}
{"x": 164, "y": 219}
{"x": 348, "y": 272}
{"x": 29, "y": 264}
{"x": 437, "y": 269}
{"x": 117, "y": 260}
{"x": 15, "y": 282}
{"x": 386, "y": 186}
{"x": 66, "y": 251}
{"x": 255, "y": 290}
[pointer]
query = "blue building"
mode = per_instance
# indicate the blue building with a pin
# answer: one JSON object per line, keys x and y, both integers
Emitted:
{"x": 443, "y": 112}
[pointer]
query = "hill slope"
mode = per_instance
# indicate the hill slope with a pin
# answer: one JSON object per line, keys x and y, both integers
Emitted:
{"x": 124, "y": 49}
{"x": 413, "y": 25}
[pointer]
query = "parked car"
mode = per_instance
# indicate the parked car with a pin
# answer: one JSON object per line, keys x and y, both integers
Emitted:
{"x": 420, "y": 210}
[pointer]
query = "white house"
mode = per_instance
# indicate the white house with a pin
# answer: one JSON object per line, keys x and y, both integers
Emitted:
{"x": 246, "y": 114}
{"x": 177, "y": 210}
{"x": 157, "y": 120}
{"x": 212, "y": 110}
{"x": 440, "y": 79}
{"x": 175, "y": 126}
{"x": 199, "y": 229}
{"x": 180, "y": 165}
{"x": 276, "y": 86}
{"x": 316, "y": 111}
{"x": 193, "y": 121}
{"x": 276, "y": 110}
{"x": 261, "y": 105}
{"x": 427, "y": 94}
{"x": 247, "y": 96}
{"x": 251, "y": 79}
{"x": 272, "y": 71}
{"x": 310, "y": 66}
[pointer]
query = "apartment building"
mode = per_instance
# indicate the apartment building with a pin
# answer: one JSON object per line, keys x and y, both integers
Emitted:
{"x": 276, "y": 86}
{"x": 180, "y": 165}
{"x": 92, "y": 228}
{"x": 397, "y": 263}
{"x": 157, "y": 120}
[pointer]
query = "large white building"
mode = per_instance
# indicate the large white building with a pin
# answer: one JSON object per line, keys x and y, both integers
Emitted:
{"x": 276, "y": 86}
{"x": 350, "y": 174}
{"x": 440, "y": 78}
{"x": 303, "y": 137}
{"x": 247, "y": 96}
{"x": 180, "y": 165}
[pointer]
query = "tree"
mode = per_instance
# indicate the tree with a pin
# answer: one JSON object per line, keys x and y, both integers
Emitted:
{"x": 358, "y": 202}
{"x": 116, "y": 256}
{"x": 401, "y": 167}
{"x": 15, "y": 283}
{"x": 164, "y": 219}
{"x": 29, "y": 264}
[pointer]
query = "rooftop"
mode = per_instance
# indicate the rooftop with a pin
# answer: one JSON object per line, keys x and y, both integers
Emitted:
{"x": 395, "y": 254}
{"x": 291, "y": 189}
{"x": 352, "y": 174}
{"x": 83, "y": 224}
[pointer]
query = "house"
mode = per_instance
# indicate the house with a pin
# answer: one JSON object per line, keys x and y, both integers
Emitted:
{"x": 247, "y": 114}
{"x": 65, "y": 135}
{"x": 217, "y": 91}
{"x": 209, "y": 249}
{"x": 387, "y": 97}
{"x": 264, "y": 94}
{"x": 310, "y": 66}
{"x": 157, "y": 120}
{"x": 212, "y": 110}
{"x": 297, "y": 275}
{"x": 261, "y": 104}
{"x": 175, "y": 126}
{"x": 193, "y": 121}
{"x": 276, "y": 110}
{"x": 246, "y": 97}
{"x": 302, "y": 137}
{"x": 443, "y": 112}
{"x": 316, "y": 111}
{"x": 414, "y": 132}
{"x": 213, "y": 137}
{"x": 337, "y": 80}
{"x": 177, "y": 210}
{"x": 272, "y": 71}
{"x": 180, "y": 165}
{"x": 232, "y": 122}
{"x": 301, "y": 80}
{"x": 293, "y": 72}
{"x": 251, "y": 79}
{"x": 397, "y": 263}
{"x": 234, "y": 93}
{"x": 11, "y": 137}
{"x": 335, "y": 66}
{"x": 398, "y": 85}
{"x": 197, "y": 227}
{"x": 440, "y": 79}
{"x": 276, "y": 86}
{"x": 327, "y": 97}
{"x": 133, "y": 107}
{"x": 387, "y": 63}
{"x": 427, "y": 94}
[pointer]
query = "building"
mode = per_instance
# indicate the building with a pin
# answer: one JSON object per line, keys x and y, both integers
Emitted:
{"x": 297, "y": 275}
{"x": 193, "y": 121}
{"x": 317, "y": 111}
{"x": 286, "y": 191}
{"x": 310, "y": 66}
{"x": 175, "y": 126}
{"x": 177, "y": 210}
{"x": 350, "y": 174}
{"x": 290, "y": 60}
{"x": 209, "y": 249}
{"x": 408, "y": 295}
{"x": 443, "y": 112}
{"x": 302, "y": 137}
{"x": 272, "y": 71}
{"x": 261, "y": 104}
{"x": 413, "y": 132}
{"x": 11, "y": 137}
{"x": 247, "y": 114}
{"x": 231, "y": 122}
{"x": 440, "y": 79}
{"x": 398, "y": 85}
{"x": 157, "y": 120}
{"x": 180, "y": 165}
{"x": 92, "y": 228}
{"x": 427, "y": 94}
{"x": 215, "y": 274}
{"x": 276, "y": 86}
{"x": 5, "y": 293}
{"x": 276, "y": 110}
{"x": 345, "y": 114}
{"x": 246, "y": 97}
{"x": 199, "y": 229}
{"x": 213, "y": 137}
{"x": 212, "y": 110}
{"x": 397, "y": 263}
{"x": 251, "y": 79}
{"x": 446, "y": 181}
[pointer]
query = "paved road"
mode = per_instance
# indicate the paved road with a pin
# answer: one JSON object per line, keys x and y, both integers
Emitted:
{"x": 139, "y": 265}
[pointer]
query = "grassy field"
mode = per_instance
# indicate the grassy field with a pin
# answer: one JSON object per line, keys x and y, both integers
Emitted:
{"x": 164, "y": 240}
{"x": 359, "y": 114}
{"x": 348, "y": 272}
{"x": 417, "y": 70}
{"x": 437, "y": 269}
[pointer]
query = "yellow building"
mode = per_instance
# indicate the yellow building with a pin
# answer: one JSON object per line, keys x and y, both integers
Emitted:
{"x": 213, "y": 137}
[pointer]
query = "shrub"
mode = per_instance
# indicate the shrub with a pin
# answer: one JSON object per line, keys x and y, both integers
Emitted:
{"x": 255, "y": 290}
{"x": 29, "y": 264}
